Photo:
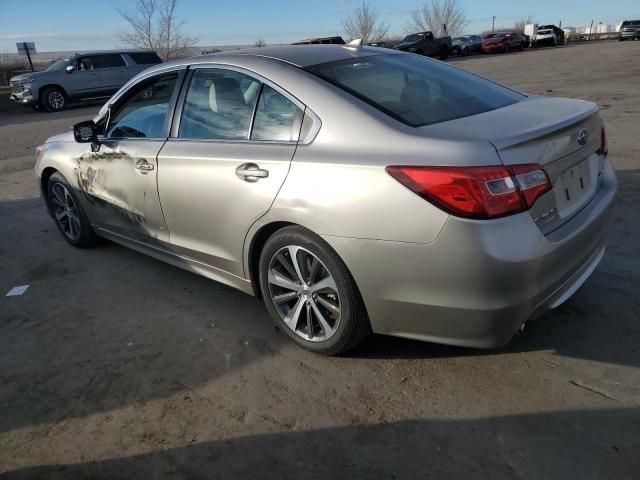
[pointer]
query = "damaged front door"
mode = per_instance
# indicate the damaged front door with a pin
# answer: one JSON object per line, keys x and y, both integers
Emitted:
{"x": 120, "y": 180}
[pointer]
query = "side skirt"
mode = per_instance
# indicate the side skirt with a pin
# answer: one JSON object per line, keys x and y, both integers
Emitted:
{"x": 179, "y": 261}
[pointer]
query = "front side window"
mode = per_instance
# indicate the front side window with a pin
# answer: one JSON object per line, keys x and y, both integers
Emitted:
{"x": 144, "y": 111}
{"x": 415, "y": 90}
{"x": 219, "y": 105}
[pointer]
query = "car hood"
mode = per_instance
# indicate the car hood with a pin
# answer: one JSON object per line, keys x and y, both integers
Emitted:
{"x": 61, "y": 138}
{"x": 26, "y": 76}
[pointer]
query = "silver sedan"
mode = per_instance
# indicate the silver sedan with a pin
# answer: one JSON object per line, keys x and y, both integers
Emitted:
{"x": 353, "y": 189}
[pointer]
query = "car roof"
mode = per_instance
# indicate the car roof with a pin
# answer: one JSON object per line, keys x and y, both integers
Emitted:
{"x": 111, "y": 52}
{"x": 297, "y": 55}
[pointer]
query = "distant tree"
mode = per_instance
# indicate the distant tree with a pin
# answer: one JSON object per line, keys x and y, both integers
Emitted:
{"x": 260, "y": 43}
{"x": 154, "y": 25}
{"x": 364, "y": 23}
{"x": 434, "y": 15}
{"x": 520, "y": 24}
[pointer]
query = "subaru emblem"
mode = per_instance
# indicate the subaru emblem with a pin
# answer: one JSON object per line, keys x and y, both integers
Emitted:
{"x": 583, "y": 136}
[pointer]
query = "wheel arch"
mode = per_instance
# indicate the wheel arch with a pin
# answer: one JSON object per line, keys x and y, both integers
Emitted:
{"x": 44, "y": 182}
{"x": 256, "y": 244}
{"x": 52, "y": 85}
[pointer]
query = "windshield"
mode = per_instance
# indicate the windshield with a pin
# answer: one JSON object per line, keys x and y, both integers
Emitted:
{"x": 415, "y": 90}
{"x": 60, "y": 64}
{"x": 413, "y": 38}
{"x": 461, "y": 39}
{"x": 496, "y": 35}
{"x": 544, "y": 32}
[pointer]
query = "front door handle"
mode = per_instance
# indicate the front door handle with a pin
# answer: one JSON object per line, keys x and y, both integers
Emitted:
{"x": 144, "y": 166}
{"x": 250, "y": 172}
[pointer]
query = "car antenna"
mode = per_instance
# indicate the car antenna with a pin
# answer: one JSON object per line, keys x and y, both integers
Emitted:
{"x": 357, "y": 43}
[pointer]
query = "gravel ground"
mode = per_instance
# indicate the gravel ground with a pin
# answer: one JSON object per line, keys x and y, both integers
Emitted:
{"x": 114, "y": 365}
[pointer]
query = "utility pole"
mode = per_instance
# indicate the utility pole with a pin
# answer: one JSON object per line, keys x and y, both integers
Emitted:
{"x": 591, "y": 31}
{"x": 493, "y": 24}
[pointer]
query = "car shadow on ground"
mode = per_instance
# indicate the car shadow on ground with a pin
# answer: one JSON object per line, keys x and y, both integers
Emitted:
{"x": 108, "y": 327}
{"x": 585, "y": 444}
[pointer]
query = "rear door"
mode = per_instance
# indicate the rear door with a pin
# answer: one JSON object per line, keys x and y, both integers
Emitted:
{"x": 228, "y": 155}
{"x": 113, "y": 71}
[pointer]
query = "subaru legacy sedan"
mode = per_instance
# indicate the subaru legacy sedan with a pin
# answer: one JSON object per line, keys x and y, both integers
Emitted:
{"x": 353, "y": 189}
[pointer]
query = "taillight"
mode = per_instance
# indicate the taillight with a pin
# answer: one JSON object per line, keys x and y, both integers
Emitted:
{"x": 604, "y": 144}
{"x": 476, "y": 192}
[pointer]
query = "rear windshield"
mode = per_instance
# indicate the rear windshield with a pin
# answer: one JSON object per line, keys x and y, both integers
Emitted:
{"x": 144, "y": 58}
{"x": 415, "y": 90}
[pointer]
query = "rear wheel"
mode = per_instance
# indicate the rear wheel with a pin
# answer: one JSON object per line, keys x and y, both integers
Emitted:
{"x": 53, "y": 99}
{"x": 310, "y": 293}
{"x": 68, "y": 214}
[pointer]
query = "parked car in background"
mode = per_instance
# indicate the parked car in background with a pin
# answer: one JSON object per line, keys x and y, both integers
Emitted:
{"x": 424, "y": 43}
{"x": 629, "y": 30}
{"x": 352, "y": 189}
{"x": 321, "y": 41}
{"x": 83, "y": 76}
{"x": 377, "y": 44}
{"x": 463, "y": 46}
{"x": 548, "y": 36}
{"x": 503, "y": 42}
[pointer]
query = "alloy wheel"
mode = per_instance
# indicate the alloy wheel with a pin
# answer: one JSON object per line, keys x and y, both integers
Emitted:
{"x": 65, "y": 211}
{"x": 56, "y": 100}
{"x": 304, "y": 293}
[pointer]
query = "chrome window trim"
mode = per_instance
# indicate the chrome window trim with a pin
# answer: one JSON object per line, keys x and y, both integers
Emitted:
{"x": 173, "y": 101}
{"x": 173, "y": 135}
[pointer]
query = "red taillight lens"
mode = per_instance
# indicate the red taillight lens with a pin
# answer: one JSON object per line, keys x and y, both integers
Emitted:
{"x": 604, "y": 144}
{"x": 476, "y": 192}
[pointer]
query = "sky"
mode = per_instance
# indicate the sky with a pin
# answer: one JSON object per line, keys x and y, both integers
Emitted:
{"x": 68, "y": 25}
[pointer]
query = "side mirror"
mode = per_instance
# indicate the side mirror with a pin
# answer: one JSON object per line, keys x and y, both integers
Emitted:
{"x": 86, "y": 132}
{"x": 70, "y": 68}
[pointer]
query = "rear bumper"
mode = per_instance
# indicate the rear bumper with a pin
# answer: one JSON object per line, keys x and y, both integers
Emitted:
{"x": 480, "y": 281}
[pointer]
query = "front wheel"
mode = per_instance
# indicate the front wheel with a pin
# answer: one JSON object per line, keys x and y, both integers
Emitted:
{"x": 53, "y": 99}
{"x": 68, "y": 214}
{"x": 310, "y": 293}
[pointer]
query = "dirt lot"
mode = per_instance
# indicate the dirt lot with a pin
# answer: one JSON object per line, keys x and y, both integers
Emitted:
{"x": 114, "y": 365}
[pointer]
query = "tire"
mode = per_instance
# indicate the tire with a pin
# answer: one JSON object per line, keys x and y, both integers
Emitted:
{"x": 345, "y": 325}
{"x": 507, "y": 48}
{"x": 70, "y": 218}
{"x": 53, "y": 99}
{"x": 444, "y": 53}
{"x": 521, "y": 47}
{"x": 465, "y": 52}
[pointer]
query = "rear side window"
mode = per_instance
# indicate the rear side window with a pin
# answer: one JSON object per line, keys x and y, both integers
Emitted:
{"x": 108, "y": 61}
{"x": 275, "y": 117}
{"x": 415, "y": 90}
{"x": 145, "y": 58}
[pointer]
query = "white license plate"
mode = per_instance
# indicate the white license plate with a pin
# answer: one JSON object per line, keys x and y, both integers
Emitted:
{"x": 573, "y": 184}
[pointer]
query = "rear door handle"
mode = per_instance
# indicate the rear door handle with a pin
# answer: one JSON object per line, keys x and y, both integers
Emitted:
{"x": 144, "y": 166}
{"x": 250, "y": 172}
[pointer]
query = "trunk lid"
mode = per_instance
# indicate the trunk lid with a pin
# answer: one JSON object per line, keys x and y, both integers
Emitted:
{"x": 560, "y": 134}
